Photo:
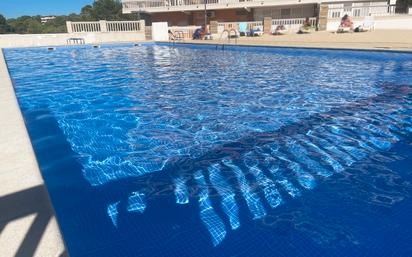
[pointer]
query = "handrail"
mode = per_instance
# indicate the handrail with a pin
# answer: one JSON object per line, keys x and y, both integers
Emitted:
{"x": 75, "y": 41}
{"x": 229, "y": 36}
{"x": 172, "y": 38}
{"x": 236, "y": 35}
{"x": 176, "y": 36}
{"x": 180, "y": 35}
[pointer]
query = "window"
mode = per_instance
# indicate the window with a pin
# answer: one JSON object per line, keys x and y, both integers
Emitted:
{"x": 335, "y": 14}
{"x": 285, "y": 13}
{"x": 242, "y": 12}
{"x": 347, "y": 7}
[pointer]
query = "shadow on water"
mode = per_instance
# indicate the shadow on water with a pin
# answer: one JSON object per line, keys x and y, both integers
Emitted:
{"x": 82, "y": 209}
{"x": 165, "y": 228}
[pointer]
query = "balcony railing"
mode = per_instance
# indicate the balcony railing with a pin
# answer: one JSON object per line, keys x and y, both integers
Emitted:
{"x": 180, "y": 5}
{"x": 338, "y": 11}
{"x": 105, "y": 26}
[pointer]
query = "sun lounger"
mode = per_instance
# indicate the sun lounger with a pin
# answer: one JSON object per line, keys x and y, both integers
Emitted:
{"x": 343, "y": 29}
{"x": 280, "y": 30}
{"x": 368, "y": 25}
{"x": 306, "y": 30}
{"x": 257, "y": 31}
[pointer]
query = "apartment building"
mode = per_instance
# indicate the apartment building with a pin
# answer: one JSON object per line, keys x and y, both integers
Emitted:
{"x": 192, "y": 12}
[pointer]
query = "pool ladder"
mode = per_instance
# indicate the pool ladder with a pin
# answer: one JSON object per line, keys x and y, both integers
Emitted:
{"x": 229, "y": 37}
{"x": 176, "y": 36}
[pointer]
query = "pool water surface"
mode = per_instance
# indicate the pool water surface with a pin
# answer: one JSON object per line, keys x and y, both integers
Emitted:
{"x": 160, "y": 150}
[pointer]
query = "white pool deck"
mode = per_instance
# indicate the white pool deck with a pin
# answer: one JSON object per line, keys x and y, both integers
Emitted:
{"x": 27, "y": 223}
{"x": 390, "y": 40}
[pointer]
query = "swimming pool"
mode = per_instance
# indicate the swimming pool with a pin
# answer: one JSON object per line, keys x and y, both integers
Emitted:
{"x": 159, "y": 150}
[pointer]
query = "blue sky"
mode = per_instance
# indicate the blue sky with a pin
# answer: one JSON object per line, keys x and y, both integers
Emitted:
{"x": 15, "y": 8}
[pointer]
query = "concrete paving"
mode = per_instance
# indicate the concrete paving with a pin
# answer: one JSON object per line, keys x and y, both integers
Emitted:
{"x": 27, "y": 223}
{"x": 374, "y": 40}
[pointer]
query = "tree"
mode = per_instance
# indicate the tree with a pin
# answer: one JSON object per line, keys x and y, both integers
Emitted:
{"x": 3, "y": 20}
{"x": 87, "y": 13}
{"x": 107, "y": 10}
{"x": 100, "y": 10}
{"x": 4, "y": 27}
{"x": 19, "y": 25}
{"x": 34, "y": 26}
{"x": 58, "y": 25}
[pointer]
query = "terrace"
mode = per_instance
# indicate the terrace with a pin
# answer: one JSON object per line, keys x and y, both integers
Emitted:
{"x": 152, "y": 6}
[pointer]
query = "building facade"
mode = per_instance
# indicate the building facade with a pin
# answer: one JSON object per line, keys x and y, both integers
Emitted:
{"x": 46, "y": 19}
{"x": 192, "y": 12}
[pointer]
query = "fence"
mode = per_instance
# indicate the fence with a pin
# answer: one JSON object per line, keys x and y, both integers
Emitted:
{"x": 339, "y": 10}
{"x": 90, "y": 26}
{"x": 292, "y": 24}
{"x": 105, "y": 26}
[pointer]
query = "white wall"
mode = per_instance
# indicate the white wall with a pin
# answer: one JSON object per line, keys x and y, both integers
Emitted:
{"x": 30, "y": 40}
{"x": 395, "y": 22}
{"x": 160, "y": 31}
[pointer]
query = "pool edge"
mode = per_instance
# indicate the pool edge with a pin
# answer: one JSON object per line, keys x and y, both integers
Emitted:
{"x": 21, "y": 179}
{"x": 215, "y": 44}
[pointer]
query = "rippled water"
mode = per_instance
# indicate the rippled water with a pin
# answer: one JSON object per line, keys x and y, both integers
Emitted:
{"x": 191, "y": 151}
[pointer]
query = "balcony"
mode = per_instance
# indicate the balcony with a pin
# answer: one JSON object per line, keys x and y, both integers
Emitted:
{"x": 155, "y": 6}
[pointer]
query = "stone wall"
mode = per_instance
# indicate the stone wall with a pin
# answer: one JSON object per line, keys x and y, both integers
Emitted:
{"x": 32, "y": 40}
{"x": 323, "y": 16}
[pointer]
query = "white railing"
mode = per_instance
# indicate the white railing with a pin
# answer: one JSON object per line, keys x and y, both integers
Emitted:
{"x": 121, "y": 26}
{"x": 105, "y": 26}
{"x": 141, "y": 5}
{"x": 360, "y": 11}
{"x": 292, "y": 24}
{"x": 90, "y": 26}
{"x": 222, "y": 26}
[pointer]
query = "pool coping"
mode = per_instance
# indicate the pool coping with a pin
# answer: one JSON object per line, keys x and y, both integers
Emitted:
{"x": 229, "y": 45}
{"x": 284, "y": 47}
{"x": 19, "y": 172}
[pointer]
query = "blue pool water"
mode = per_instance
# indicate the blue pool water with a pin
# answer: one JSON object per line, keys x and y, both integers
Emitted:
{"x": 158, "y": 150}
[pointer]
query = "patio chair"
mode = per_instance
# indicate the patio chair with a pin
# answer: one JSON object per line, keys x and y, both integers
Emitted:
{"x": 243, "y": 29}
{"x": 257, "y": 31}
